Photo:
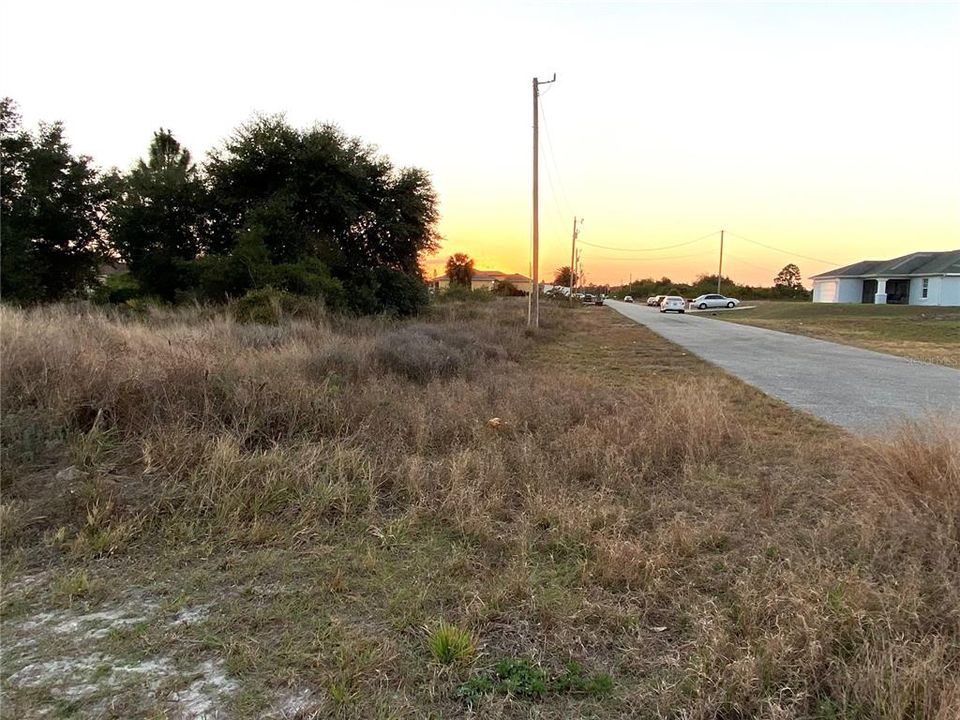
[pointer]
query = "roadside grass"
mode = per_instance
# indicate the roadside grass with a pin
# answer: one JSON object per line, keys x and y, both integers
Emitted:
{"x": 309, "y": 520}
{"x": 931, "y": 334}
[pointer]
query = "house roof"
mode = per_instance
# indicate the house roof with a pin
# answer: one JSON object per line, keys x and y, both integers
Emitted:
{"x": 918, "y": 263}
{"x": 488, "y": 275}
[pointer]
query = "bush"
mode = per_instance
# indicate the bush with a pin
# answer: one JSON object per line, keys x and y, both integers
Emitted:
{"x": 312, "y": 278}
{"x": 422, "y": 352}
{"x": 269, "y": 306}
{"x": 116, "y": 289}
{"x": 459, "y": 293}
{"x": 386, "y": 291}
{"x": 413, "y": 354}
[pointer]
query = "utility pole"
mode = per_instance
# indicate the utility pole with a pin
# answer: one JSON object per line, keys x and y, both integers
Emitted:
{"x": 573, "y": 255}
{"x": 533, "y": 313}
{"x": 720, "y": 269}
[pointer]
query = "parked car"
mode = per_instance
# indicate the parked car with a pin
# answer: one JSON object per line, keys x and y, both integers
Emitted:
{"x": 713, "y": 300}
{"x": 628, "y": 298}
{"x": 588, "y": 299}
{"x": 598, "y": 300}
{"x": 673, "y": 303}
{"x": 655, "y": 300}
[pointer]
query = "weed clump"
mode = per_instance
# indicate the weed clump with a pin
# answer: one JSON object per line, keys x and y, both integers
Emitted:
{"x": 450, "y": 644}
{"x": 414, "y": 355}
{"x": 520, "y": 678}
{"x": 421, "y": 352}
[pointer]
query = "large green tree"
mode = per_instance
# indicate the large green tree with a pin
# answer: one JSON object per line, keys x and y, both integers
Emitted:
{"x": 319, "y": 194}
{"x": 159, "y": 221}
{"x": 54, "y": 207}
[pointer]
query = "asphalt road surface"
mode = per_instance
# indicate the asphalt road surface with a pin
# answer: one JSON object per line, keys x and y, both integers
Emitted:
{"x": 862, "y": 391}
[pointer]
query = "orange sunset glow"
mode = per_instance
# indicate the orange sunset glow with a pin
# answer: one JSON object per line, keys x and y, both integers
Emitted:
{"x": 826, "y": 131}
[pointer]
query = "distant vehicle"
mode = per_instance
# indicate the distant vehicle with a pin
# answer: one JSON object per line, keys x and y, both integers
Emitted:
{"x": 655, "y": 300}
{"x": 588, "y": 299}
{"x": 673, "y": 303}
{"x": 598, "y": 300}
{"x": 628, "y": 298}
{"x": 713, "y": 300}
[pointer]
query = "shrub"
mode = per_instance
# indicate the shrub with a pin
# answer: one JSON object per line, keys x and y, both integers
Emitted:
{"x": 385, "y": 291}
{"x": 415, "y": 355}
{"x": 423, "y": 352}
{"x": 459, "y": 293}
{"x": 117, "y": 288}
{"x": 268, "y": 306}
{"x": 311, "y": 278}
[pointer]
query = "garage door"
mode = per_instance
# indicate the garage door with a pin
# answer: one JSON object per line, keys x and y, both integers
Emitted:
{"x": 826, "y": 291}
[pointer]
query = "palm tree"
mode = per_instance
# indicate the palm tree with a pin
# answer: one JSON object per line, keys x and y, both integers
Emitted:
{"x": 460, "y": 269}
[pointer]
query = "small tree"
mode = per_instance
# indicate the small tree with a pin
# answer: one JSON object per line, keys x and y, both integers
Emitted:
{"x": 460, "y": 270}
{"x": 788, "y": 284}
{"x": 788, "y": 277}
{"x": 562, "y": 277}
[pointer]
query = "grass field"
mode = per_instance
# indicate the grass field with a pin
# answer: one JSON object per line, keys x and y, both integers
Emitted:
{"x": 931, "y": 334}
{"x": 453, "y": 517}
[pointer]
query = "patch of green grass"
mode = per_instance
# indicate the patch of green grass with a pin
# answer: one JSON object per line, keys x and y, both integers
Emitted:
{"x": 449, "y": 644}
{"x": 576, "y": 680}
{"x": 520, "y": 678}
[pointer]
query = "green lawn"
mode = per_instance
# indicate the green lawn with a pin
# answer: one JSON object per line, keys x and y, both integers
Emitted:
{"x": 931, "y": 334}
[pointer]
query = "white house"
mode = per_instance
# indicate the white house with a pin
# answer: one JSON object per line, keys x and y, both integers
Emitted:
{"x": 922, "y": 278}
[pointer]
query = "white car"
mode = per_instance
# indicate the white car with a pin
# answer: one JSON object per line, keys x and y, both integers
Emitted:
{"x": 628, "y": 298}
{"x": 674, "y": 303}
{"x": 713, "y": 301}
{"x": 654, "y": 300}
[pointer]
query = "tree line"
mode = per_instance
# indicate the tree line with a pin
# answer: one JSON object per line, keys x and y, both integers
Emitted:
{"x": 307, "y": 211}
{"x": 787, "y": 285}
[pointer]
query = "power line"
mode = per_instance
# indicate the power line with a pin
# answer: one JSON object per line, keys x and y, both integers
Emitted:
{"x": 646, "y": 259}
{"x": 662, "y": 247}
{"x": 553, "y": 159}
{"x": 786, "y": 252}
{"x": 553, "y": 193}
{"x": 750, "y": 264}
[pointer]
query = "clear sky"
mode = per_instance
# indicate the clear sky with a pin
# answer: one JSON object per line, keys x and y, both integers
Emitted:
{"x": 828, "y": 130}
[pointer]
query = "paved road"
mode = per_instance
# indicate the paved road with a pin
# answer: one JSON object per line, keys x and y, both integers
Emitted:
{"x": 860, "y": 390}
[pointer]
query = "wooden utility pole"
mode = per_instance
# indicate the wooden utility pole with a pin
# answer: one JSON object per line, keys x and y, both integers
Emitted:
{"x": 533, "y": 312}
{"x": 573, "y": 256}
{"x": 720, "y": 269}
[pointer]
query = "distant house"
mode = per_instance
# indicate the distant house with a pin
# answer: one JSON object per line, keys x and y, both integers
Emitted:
{"x": 921, "y": 278}
{"x": 485, "y": 280}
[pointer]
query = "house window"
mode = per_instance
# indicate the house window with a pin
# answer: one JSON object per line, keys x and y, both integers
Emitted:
{"x": 924, "y": 288}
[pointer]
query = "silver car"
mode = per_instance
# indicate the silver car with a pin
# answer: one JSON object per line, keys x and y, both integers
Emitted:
{"x": 713, "y": 300}
{"x": 673, "y": 303}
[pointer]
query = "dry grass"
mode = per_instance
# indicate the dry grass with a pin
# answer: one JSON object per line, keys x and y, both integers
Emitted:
{"x": 331, "y": 488}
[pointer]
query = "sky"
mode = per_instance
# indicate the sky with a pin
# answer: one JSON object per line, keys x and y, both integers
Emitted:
{"x": 814, "y": 133}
